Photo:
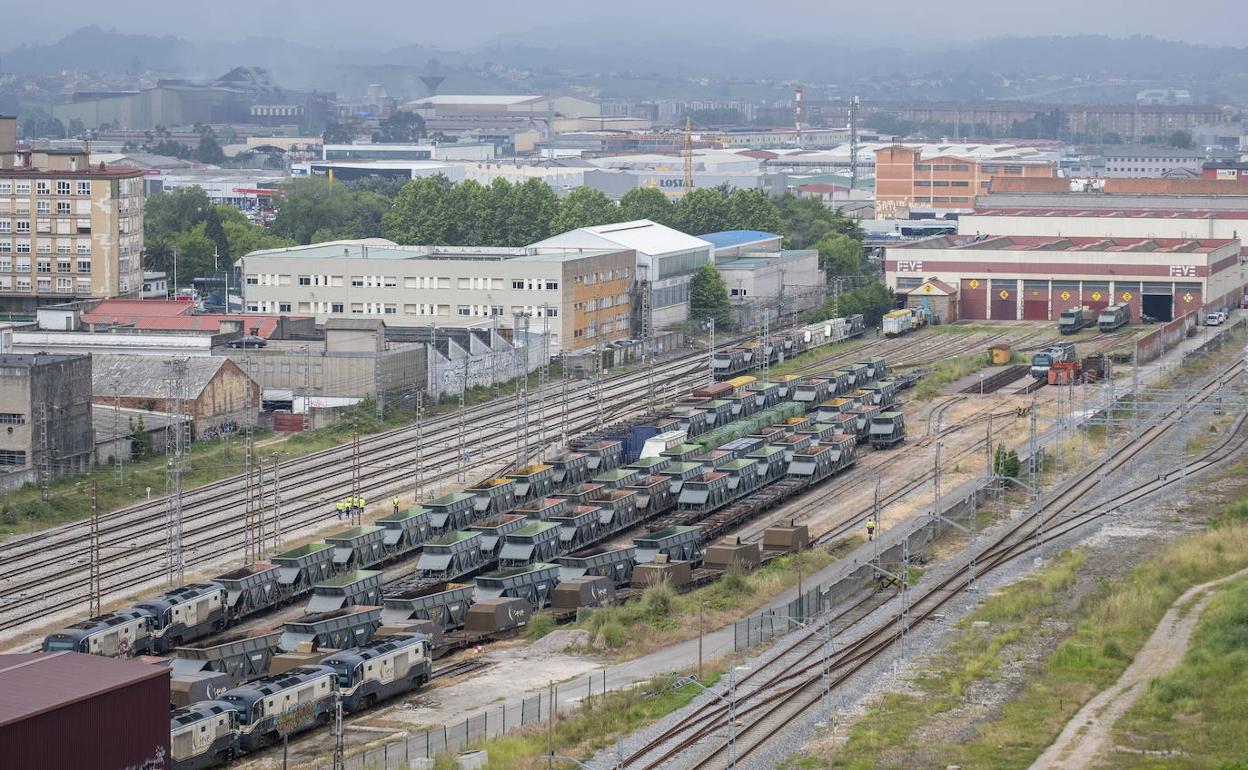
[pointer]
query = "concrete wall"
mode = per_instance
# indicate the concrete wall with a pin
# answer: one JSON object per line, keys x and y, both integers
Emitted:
{"x": 334, "y": 374}
{"x": 61, "y": 390}
{"x": 449, "y": 373}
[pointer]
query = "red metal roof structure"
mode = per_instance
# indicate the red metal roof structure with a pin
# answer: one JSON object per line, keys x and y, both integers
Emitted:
{"x": 37, "y": 682}
{"x": 1060, "y": 243}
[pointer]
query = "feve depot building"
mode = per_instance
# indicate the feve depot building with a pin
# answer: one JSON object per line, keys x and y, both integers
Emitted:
{"x": 1033, "y": 264}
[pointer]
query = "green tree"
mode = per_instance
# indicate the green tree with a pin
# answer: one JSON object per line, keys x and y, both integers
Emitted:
{"x": 158, "y": 253}
{"x": 804, "y": 221}
{"x": 209, "y": 149}
{"x": 170, "y": 148}
{"x": 752, "y": 210}
{"x": 840, "y": 255}
{"x": 386, "y": 187}
{"x": 167, "y": 213}
{"x": 584, "y": 207}
{"x": 216, "y": 233}
{"x": 75, "y": 128}
{"x": 243, "y": 235}
{"x": 313, "y": 204}
{"x": 423, "y": 214}
{"x": 1180, "y": 139}
{"x": 194, "y": 254}
{"x": 400, "y": 127}
{"x": 647, "y": 203}
{"x": 532, "y": 207}
{"x": 340, "y": 133}
{"x": 702, "y": 211}
{"x": 708, "y": 297}
{"x": 872, "y": 301}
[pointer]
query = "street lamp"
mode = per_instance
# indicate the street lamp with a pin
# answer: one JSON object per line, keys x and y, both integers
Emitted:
{"x": 731, "y": 701}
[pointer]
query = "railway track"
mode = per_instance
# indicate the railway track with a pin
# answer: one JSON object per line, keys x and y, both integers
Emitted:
{"x": 48, "y": 571}
{"x": 768, "y": 704}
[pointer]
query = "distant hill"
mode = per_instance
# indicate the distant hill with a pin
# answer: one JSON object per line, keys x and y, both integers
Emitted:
{"x": 658, "y": 55}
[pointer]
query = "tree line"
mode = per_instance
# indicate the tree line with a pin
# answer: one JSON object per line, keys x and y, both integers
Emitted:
{"x": 434, "y": 211}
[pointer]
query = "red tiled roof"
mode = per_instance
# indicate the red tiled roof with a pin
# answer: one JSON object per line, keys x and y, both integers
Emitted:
{"x": 1176, "y": 186}
{"x": 138, "y": 308}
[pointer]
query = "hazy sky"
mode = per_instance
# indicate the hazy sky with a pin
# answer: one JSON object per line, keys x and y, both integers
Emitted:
{"x": 470, "y": 24}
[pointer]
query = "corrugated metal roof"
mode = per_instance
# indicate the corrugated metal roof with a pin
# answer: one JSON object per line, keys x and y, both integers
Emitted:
{"x": 728, "y": 238}
{"x": 148, "y": 376}
{"x": 641, "y": 235}
{"x": 38, "y": 682}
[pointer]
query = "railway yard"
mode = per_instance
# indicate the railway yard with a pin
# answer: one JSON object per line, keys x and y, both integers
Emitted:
{"x": 676, "y": 475}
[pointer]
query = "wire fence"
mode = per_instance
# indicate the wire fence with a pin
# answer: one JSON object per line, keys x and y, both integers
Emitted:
{"x": 490, "y": 723}
{"x": 778, "y": 621}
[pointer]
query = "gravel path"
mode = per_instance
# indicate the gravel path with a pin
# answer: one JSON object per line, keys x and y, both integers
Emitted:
{"x": 1083, "y": 739}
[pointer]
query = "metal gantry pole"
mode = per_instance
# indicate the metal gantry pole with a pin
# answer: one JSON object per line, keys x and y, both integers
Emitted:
{"x": 119, "y": 468}
{"x": 356, "y": 513}
{"x": 96, "y": 589}
{"x": 420, "y": 446}
{"x": 710, "y": 363}
{"x": 277, "y": 502}
{"x": 461, "y": 430}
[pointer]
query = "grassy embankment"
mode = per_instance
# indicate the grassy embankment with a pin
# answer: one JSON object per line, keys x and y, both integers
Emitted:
{"x": 1105, "y": 631}
{"x": 596, "y": 724}
{"x": 661, "y": 617}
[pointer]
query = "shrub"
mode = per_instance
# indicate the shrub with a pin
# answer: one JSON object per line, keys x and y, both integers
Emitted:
{"x": 539, "y": 625}
{"x": 611, "y": 635}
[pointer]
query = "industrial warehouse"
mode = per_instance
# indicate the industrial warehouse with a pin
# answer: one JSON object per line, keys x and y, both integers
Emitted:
{"x": 1007, "y": 278}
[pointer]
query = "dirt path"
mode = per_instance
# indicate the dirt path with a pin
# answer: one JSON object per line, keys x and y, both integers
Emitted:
{"x": 1084, "y": 738}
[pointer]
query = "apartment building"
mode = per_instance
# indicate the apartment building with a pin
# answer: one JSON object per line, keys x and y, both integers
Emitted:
{"x": 67, "y": 230}
{"x": 947, "y": 183}
{"x": 579, "y": 296}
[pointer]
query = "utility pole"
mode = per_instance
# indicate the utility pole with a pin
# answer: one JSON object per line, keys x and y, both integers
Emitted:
{"x": 175, "y": 448}
{"x": 710, "y": 361}
{"x": 277, "y": 501}
{"x": 119, "y": 473}
{"x": 307, "y": 387}
{"x": 461, "y": 471}
{"x": 260, "y": 507}
{"x": 420, "y": 446}
{"x": 45, "y": 460}
{"x": 96, "y": 591}
{"x": 688, "y": 155}
{"x": 380, "y": 392}
{"x": 357, "y": 514}
{"x": 339, "y": 742}
{"x": 543, "y": 378}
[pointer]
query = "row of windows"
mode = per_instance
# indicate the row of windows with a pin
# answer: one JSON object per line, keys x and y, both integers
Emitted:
{"x": 602, "y": 303}
{"x": 670, "y": 295}
{"x": 45, "y": 187}
{"x": 414, "y": 282}
{"x": 1002, "y": 169}
{"x": 44, "y": 285}
{"x": 925, "y": 167}
{"x": 943, "y": 199}
{"x": 44, "y": 265}
{"x": 1149, "y": 160}
{"x": 44, "y": 246}
{"x": 12, "y": 458}
{"x": 80, "y": 226}
{"x": 619, "y": 322}
{"x": 12, "y": 418}
{"x": 942, "y": 183}
{"x": 589, "y": 279}
{"x": 681, "y": 264}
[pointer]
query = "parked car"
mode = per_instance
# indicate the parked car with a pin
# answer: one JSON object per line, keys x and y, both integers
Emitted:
{"x": 1214, "y": 319}
{"x": 249, "y": 341}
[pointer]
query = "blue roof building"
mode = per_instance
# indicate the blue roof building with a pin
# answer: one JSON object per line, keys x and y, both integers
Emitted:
{"x": 735, "y": 243}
